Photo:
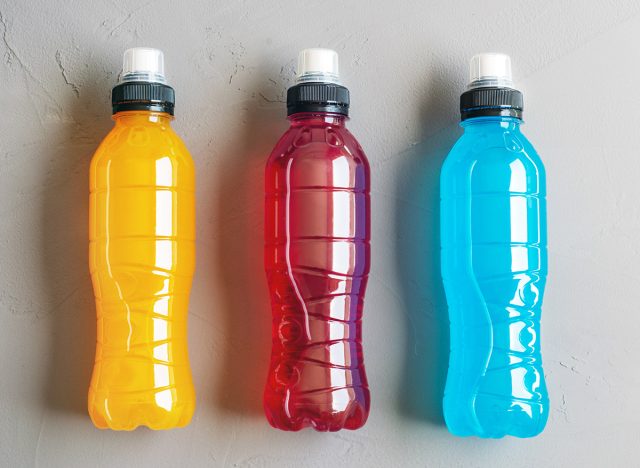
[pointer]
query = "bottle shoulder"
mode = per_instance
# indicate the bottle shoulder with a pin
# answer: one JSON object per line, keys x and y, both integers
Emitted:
{"x": 138, "y": 155}
{"x": 487, "y": 147}
{"x": 319, "y": 158}
{"x": 143, "y": 142}
{"x": 502, "y": 159}
{"x": 316, "y": 143}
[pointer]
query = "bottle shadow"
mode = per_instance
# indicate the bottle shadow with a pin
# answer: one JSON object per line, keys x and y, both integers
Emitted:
{"x": 240, "y": 250}
{"x": 63, "y": 245}
{"x": 418, "y": 264}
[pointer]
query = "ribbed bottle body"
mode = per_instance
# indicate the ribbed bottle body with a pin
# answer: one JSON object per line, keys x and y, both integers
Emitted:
{"x": 494, "y": 266}
{"x": 142, "y": 260}
{"x": 317, "y": 258}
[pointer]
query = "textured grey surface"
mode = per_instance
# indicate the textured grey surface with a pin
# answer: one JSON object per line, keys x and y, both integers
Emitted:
{"x": 405, "y": 63}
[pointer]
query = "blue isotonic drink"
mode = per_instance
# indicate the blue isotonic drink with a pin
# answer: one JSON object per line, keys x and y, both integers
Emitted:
{"x": 494, "y": 262}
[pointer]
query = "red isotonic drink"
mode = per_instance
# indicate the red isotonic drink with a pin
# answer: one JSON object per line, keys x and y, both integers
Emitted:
{"x": 317, "y": 232}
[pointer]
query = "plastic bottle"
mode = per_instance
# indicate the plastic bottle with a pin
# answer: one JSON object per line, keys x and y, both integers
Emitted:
{"x": 142, "y": 256}
{"x": 494, "y": 262}
{"x": 317, "y": 232}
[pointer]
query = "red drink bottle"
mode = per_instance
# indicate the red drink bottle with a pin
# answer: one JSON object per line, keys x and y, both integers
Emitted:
{"x": 317, "y": 232}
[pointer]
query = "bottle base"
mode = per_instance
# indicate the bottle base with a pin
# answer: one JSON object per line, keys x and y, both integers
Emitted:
{"x": 320, "y": 417}
{"x": 491, "y": 420}
{"x": 128, "y": 416}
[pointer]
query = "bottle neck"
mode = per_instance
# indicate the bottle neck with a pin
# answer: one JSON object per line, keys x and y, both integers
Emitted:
{"x": 142, "y": 117}
{"x": 483, "y": 124}
{"x": 317, "y": 119}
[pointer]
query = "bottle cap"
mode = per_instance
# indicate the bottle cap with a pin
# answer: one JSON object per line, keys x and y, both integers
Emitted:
{"x": 142, "y": 83}
{"x": 318, "y": 87}
{"x": 318, "y": 65}
{"x": 143, "y": 64}
{"x": 491, "y": 92}
{"x": 490, "y": 70}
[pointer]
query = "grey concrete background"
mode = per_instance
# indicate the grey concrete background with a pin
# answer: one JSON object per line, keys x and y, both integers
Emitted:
{"x": 405, "y": 63}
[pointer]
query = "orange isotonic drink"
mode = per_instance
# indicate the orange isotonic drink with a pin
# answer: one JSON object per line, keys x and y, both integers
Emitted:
{"x": 142, "y": 256}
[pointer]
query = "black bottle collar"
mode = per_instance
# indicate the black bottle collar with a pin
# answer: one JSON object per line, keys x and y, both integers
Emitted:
{"x": 318, "y": 97}
{"x": 491, "y": 101}
{"x": 143, "y": 95}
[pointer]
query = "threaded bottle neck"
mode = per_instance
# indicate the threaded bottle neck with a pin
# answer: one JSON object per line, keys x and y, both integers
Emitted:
{"x": 142, "y": 117}
{"x": 318, "y": 119}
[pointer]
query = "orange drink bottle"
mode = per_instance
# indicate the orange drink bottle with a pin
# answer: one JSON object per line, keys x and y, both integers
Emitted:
{"x": 142, "y": 256}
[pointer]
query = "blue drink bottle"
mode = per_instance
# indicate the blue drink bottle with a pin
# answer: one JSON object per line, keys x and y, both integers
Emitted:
{"x": 494, "y": 262}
